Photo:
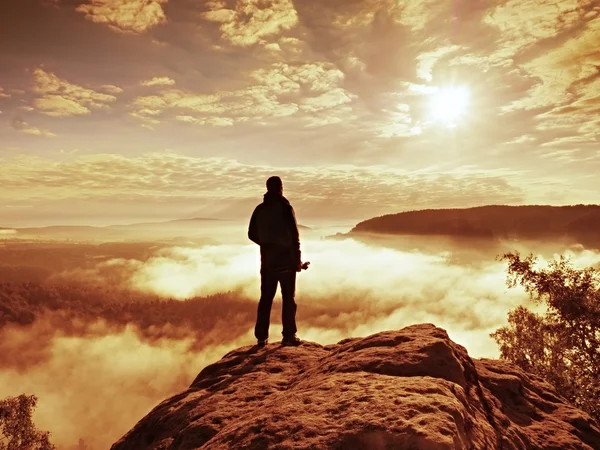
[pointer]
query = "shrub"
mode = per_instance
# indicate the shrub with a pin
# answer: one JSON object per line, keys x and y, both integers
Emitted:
{"x": 17, "y": 430}
{"x": 561, "y": 345}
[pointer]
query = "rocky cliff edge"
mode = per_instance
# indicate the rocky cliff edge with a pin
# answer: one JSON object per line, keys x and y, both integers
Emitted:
{"x": 408, "y": 389}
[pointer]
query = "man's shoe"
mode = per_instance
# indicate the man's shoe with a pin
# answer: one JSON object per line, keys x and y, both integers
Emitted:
{"x": 292, "y": 341}
{"x": 262, "y": 342}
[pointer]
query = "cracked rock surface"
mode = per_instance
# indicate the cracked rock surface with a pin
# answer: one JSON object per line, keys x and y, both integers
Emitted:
{"x": 408, "y": 389}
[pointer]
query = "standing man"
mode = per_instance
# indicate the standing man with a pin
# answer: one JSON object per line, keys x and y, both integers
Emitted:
{"x": 273, "y": 226}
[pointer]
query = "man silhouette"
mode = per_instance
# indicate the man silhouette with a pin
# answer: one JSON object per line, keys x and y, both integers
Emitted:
{"x": 274, "y": 228}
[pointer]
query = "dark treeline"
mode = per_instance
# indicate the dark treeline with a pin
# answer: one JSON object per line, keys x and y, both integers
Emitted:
{"x": 24, "y": 303}
{"x": 37, "y": 261}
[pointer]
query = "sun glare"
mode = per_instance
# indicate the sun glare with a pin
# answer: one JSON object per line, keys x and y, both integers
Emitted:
{"x": 449, "y": 105}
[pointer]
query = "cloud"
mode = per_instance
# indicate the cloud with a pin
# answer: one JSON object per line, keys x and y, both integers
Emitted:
{"x": 566, "y": 91}
{"x": 571, "y": 156}
{"x": 22, "y": 126}
{"x": 111, "y": 89}
{"x": 524, "y": 23}
{"x": 130, "y": 373}
{"x": 351, "y": 290}
{"x": 333, "y": 81}
{"x": 59, "y": 98}
{"x": 416, "y": 14}
{"x": 125, "y": 16}
{"x": 212, "y": 121}
{"x": 158, "y": 81}
{"x": 318, "y": 190}
{"x": 278, "y": 91}
{"x": 377, "y": 288}
{"x": 252, "y": 21}
{"x": 3, "y": 94}
{"x": 427, "y": 60}
{"x": 565, "y": 73}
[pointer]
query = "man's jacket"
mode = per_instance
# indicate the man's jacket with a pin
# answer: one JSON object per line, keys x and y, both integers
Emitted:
{"x": 273, "y": 226}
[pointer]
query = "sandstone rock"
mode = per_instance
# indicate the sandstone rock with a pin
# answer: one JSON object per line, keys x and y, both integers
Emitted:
{"x": 407, "y": 389}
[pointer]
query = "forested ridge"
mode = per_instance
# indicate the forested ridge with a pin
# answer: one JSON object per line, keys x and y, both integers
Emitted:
{"x": 577, "y": 223}
{"x": 24, "y": 303}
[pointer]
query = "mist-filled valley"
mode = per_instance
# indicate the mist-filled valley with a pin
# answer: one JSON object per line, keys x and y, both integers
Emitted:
{"x": 101, "y": 330}
{"x": 439, "y": 161}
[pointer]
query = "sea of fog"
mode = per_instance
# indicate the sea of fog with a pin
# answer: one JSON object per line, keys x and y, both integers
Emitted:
{"x": 108, "y": 379}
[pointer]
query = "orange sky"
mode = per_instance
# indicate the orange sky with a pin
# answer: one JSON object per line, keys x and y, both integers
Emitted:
{"x": 114, "y": 110}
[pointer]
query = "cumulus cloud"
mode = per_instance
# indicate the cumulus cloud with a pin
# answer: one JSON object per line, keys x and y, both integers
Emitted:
{"x": 125, "y": 16}
{"x": 59, "y": 98}
{"x": 278, "y": 91}
{"x": 22, "y": 126}
{"x": 252, "y": 21}
{"x": 348, "y": 80}
{"x": 3, "y": 94}
{"x": 416, "y": 14}
{"x": 111, "y": 89}
{"x": 158, "y": 81}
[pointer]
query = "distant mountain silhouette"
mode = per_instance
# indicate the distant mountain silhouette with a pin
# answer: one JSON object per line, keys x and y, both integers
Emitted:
{"x": 178, "y": 228}
{"x": 412, "y": 388}
{"x": 579, "y": 223}
{"x": 191, "y": 221}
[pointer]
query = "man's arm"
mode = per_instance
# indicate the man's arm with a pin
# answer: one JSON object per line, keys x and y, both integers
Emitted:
{"x": 295, "y": 238}
{"x": 253, "y": 228}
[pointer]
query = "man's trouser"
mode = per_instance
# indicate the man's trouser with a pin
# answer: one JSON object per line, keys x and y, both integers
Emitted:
{"x": 268, "y": 289}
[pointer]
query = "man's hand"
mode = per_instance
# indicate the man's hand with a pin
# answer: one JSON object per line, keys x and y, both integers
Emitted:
{"x": 303, "y": 266}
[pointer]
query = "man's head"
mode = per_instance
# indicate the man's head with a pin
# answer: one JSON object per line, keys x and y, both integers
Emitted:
{"x": 275, "y": 185}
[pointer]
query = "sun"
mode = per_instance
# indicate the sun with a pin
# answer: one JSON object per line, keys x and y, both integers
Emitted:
{"x": 449, "y": 105}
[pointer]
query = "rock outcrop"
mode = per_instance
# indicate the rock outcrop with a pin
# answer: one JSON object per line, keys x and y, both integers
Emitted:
{"x": 407, "y": 389}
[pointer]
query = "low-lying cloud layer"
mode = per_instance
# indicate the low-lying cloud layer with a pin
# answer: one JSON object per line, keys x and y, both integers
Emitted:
{"x": 98, "y": 375}
{"x": 350, "y": 287}
{"x": 97, "y": 386}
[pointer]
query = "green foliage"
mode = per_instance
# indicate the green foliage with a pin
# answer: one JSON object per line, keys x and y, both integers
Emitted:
{"x": 563, "y": 344}
{"x": 17, "y": 430}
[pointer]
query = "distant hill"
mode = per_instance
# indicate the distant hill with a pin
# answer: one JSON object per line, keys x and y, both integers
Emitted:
{"x": 195, "y": 227}
{"x": 184, "y": 222}
{"x": 177, "y": 228}
{"x": 579, "y": 223}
